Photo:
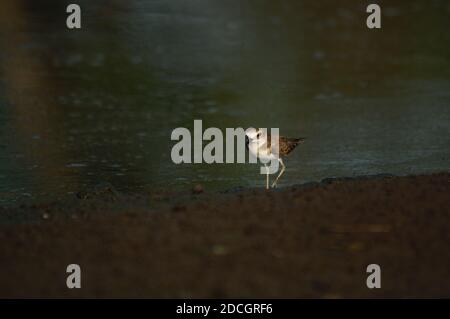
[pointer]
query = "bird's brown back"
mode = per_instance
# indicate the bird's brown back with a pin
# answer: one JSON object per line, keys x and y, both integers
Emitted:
{"x": 286, "y": 144}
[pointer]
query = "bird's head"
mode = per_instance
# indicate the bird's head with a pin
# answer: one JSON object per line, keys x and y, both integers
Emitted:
{"x": 253, "y": 133}
{"x": 255, "y": 136}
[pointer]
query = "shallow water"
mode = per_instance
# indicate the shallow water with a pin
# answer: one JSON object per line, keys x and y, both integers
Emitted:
{"x": 78, "y": 108}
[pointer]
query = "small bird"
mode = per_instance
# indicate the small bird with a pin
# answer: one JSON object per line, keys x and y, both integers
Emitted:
{"x": 259, "y": 141}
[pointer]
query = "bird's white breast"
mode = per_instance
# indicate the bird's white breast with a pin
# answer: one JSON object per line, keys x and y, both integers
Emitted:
{"x": 260, "y": 151}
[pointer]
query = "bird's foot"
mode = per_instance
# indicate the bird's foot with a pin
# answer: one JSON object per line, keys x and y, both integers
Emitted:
{"x": 274, "y": 185}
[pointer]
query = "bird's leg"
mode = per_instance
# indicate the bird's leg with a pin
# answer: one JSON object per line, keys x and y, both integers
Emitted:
{"x": 267, "y": 176}
{"x": 281, "y": 173}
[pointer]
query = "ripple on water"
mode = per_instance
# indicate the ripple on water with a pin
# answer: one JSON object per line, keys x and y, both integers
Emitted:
{"x": 76, "y": 165}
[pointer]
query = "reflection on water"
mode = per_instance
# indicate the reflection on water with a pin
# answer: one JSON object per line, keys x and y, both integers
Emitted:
{"x": 82, "y": 107}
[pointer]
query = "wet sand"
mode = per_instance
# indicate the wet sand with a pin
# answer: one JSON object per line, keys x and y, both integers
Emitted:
{"x": 312, "y": 240}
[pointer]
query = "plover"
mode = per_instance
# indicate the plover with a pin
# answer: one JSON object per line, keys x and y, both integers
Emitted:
{"x": 259, "y": 144}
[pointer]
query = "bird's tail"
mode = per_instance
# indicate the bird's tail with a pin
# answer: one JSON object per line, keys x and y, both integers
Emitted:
{"x": 299, "y": 140}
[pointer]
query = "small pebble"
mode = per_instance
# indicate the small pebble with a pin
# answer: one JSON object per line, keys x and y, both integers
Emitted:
{"x": 198, "y": 189}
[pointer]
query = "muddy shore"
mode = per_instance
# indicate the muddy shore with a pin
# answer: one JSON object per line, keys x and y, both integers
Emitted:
{"x": 305, "y": 241}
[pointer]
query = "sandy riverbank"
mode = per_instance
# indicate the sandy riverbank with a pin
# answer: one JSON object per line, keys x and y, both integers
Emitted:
{"x": 305, "y": 241}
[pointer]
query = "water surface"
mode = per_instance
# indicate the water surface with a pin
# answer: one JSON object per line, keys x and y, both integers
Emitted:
{"x": 78, "y": 108}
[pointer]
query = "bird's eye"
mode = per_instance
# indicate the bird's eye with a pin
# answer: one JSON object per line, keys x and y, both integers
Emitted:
{"x": 258, "y": 135}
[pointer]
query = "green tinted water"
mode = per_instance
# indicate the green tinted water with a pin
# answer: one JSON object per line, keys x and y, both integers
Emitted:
{"x": 82, "y": 107}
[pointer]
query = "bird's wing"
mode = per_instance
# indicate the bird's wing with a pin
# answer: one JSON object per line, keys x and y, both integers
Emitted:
{"x": 287, "y": 144}
{"x": 273, "y": 148}
{"x": 282, "y": 145}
